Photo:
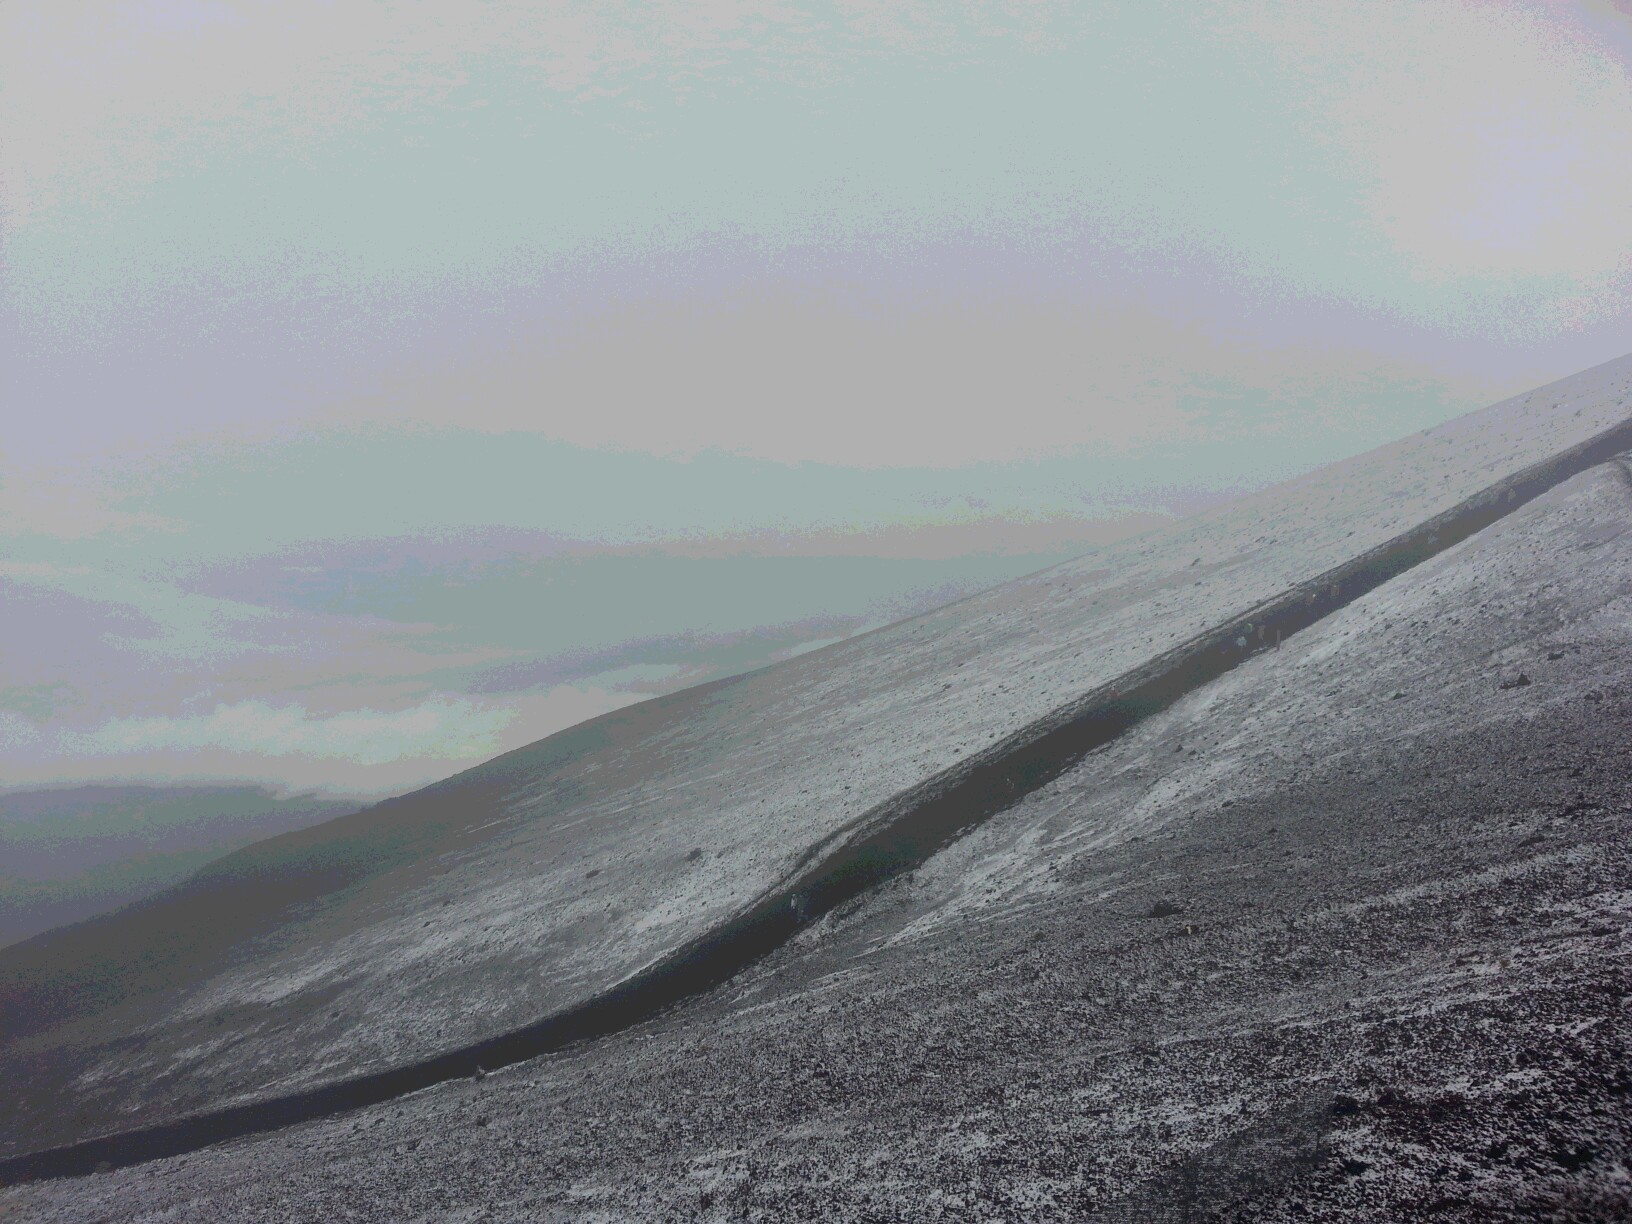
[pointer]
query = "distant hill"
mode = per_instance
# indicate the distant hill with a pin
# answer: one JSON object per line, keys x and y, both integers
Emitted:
{"x": 69, "y": 853}
{"x": 1341, "y": 936}
{"x": 552, "y": 881}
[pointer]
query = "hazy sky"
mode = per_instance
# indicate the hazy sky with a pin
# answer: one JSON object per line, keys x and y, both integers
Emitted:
{"x": 389, "y": 385}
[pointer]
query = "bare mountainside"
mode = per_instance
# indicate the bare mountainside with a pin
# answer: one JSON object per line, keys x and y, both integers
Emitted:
{"x": 1341, "y": 935}
{"x": 70, "y": 852}
{"x": 545, "y": 877}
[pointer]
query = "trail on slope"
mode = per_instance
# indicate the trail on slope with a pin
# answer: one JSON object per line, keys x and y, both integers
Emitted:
{"x": 891, "y": 838}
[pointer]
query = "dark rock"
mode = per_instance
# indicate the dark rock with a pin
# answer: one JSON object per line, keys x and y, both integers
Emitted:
{"x": 1574, "y": 1158}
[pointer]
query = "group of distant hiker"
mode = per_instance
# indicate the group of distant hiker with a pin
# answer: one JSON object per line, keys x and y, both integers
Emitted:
{"x": 1249, "y": 633}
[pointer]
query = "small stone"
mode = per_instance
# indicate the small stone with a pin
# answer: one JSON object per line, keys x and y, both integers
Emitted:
{"x": 1571, "y": 1159}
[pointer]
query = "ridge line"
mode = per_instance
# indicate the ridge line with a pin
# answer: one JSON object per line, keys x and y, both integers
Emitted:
{"x": 889, "y": 838}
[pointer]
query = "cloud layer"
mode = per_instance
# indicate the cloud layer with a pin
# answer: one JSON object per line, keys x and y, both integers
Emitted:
{"x": 390, "y": 384}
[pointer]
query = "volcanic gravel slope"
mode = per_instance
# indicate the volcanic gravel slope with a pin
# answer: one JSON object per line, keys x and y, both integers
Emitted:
{"x": 542, "y": 878}
{"x": 1339, "y": 936}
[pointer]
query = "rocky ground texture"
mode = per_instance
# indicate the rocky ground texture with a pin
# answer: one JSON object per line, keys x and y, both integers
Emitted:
{"x": 542, "y": 879}
{"x": 1342, "y": 936}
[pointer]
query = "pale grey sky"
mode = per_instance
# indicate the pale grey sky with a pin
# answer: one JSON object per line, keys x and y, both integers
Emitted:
{"x": 389, "y": 385}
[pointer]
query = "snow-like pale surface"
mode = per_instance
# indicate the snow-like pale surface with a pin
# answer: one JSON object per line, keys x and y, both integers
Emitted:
{"x": 1419, "y": 902}
{"x": 1546, "y": 593}
{"x": 580, "y": 874}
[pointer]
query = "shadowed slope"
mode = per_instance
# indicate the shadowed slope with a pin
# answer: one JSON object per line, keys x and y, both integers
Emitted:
{"x": 68, "y": 853}
{"x": 182, "y": 934}
{"x": 549, "y": 881}
{"x": 1339, "y": 935}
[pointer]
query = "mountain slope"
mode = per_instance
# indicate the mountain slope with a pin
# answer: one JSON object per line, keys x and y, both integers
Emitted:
{"x": 544, "y": 877}
{"x": 1341, "y": 935}
{"x": 68, "y": 853}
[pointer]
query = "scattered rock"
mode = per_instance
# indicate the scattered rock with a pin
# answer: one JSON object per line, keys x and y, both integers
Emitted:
{"x": 1446, "y": 1204}
{"x": 1571, "y": 1159}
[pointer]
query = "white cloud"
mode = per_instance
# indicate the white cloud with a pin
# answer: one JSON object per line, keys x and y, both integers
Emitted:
{"x": 566, "y": 705}
{"x": 795, "y": 377}
{"x": 63, "y": 504}
{"x": 17, "y": 731}
{"x": 441, "y": 728}
{"x": 1489, "y": 140}
{"x": 361, "y": 751}
{"x": 117, "y": 96}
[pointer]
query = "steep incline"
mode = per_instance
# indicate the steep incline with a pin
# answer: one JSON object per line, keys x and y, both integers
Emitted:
{"x": 533, "y": 882}
{"x": 1341, "y": 935}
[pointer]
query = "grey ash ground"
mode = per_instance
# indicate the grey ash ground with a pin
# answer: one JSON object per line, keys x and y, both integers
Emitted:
{"x": 1341, "y": 936}
{"x": 539, "y": 882}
